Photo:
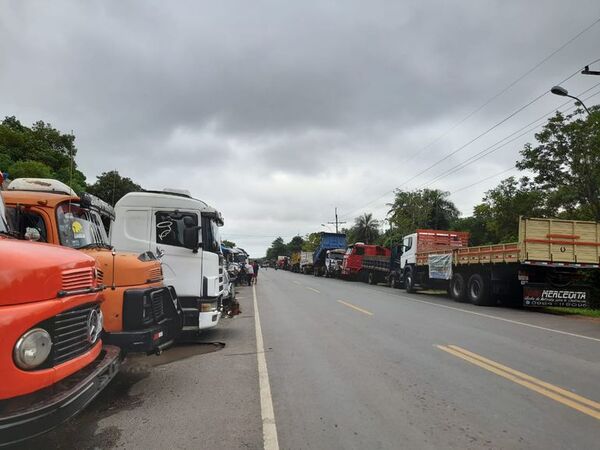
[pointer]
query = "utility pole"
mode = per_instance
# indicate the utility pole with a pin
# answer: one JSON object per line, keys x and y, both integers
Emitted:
{"x": 337, "y": 222}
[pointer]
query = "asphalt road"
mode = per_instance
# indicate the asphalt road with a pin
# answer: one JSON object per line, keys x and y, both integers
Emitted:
{"x": 355, "y": 366}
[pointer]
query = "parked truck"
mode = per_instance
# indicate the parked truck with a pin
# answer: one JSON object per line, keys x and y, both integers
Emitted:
{"x": 283, "y": 262}
{"x": 333, "y": 262}
{"x": 295, "y": 261}
{"x": 140, "y": 313}
{"x": 185, "y": 232}
{"x": 352, "y": 265}
{"x": 545, "y": 267}
{"x": 327, "y": 243}
{"x": 306, "y": 262}
{"x": 53, "y": 362}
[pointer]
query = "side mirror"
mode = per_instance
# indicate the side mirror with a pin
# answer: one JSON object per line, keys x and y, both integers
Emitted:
{"x": 190, "y": 234}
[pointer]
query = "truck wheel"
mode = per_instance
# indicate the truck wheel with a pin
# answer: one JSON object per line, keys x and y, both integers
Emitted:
{"x": 458, "y": 288}
{"x": 371, "y": 278}
{"x": 478, "y": 290}
{"x": 409, "y": 281}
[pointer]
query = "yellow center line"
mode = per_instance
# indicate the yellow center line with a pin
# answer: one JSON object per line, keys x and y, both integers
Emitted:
{"x": 313, "y": 289}
{"x": 349, "y": 305}
{"x": 541, "y": 387}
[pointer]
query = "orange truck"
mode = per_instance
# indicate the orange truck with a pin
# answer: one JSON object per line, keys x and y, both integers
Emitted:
{"x": 140, "y": 314}
{"x": 52, "y": 358}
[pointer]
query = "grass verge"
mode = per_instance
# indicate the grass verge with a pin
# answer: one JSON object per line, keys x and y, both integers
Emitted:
{"x": 587, "y": 312}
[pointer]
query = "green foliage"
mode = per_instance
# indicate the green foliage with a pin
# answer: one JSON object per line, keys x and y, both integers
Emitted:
{"x": 278, "y": 248}
{"x": 566, "y": 164}
{"x": 52, "y": 152}
{"x": 311, "y": 242}
{"x": 111, "y": 186}
{"x": 427, "y": 208}
{"x": 295, "y": 244}
{"x": 31, "y": 169}
{"x": 365, "y": 229}
{"x": 227, "y": 243}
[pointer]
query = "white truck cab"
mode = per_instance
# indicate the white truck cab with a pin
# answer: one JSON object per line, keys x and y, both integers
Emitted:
{"x": 185, "y": 232}
{"x": 409, "y": 250}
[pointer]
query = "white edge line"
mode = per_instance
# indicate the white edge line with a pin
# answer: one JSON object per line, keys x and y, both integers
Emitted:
{"x": 267, "y": 412}
{"x": 313, "y": 289}
{"x": 489, "y": 316}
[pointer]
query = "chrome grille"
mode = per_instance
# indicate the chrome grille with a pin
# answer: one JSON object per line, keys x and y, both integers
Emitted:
{"x": 69, "y": 332}
{"x": 77, "y": 279}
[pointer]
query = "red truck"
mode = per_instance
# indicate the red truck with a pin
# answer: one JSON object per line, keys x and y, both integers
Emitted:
{"x": 352, "y": 265}
{"x": 52, "y": 359}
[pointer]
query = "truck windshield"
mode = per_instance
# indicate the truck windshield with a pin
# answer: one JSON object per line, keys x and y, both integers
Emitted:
{"x": 79, "y": 227}
{"x": 3, "y": 225}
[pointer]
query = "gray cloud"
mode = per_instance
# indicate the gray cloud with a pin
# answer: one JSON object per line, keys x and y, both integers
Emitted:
{"x": 276, "y": 113}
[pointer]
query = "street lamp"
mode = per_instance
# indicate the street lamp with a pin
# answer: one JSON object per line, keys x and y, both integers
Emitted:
{"x": 559, "y": 90}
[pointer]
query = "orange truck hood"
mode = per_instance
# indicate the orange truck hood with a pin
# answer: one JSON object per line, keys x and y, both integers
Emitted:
{"x": 129, "y": 269}
{"x": 32, "y": 272}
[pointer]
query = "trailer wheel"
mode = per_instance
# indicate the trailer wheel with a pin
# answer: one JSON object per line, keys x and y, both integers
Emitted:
{"x": 409, "y": 281}
{"x": 371, "y": 278}
{"x": 458, "y": 288}
{"x": 478, "y": 290}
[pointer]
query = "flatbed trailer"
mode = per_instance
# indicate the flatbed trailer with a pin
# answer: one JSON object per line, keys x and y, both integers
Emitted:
{"x": 545, "y": 267}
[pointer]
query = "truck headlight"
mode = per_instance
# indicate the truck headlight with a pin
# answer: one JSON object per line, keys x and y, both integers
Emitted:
{"x": 32, "y": 349}
{"x": 208, "y": 307}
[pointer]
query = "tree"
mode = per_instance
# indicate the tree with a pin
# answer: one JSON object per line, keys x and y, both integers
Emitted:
{"x": 365, "y": 229}
{"x": 43, "y": 144}
{"x": 311, "y": 242}
{"x": 566, "y": 164}
{"x": 496, "y": 219}
{"x": 427, "y": 208}
{"x": 295, "y": 244}
{"x": 29, "y": 169}
{"x": 227, "y": 243}
{"x": 111, "y": 186}
{"x": 278, "y": 248}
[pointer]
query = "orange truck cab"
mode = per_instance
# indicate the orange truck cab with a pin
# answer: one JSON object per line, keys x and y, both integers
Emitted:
{"x": 140, "y": 313}
{"x": 52, "y": 358}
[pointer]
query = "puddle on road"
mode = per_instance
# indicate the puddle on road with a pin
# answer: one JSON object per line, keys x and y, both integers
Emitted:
{"x": 83, "y": 431}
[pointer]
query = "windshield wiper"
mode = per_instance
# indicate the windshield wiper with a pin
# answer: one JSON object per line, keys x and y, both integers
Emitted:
{"x": 13, "y": 234}
{"x": 95, "y": 245}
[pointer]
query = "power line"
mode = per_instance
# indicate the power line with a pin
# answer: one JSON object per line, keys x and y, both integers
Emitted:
{"x": 518, "y": 110}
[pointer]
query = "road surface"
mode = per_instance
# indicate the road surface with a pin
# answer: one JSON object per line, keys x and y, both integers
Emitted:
{"x": 343, "y": 365}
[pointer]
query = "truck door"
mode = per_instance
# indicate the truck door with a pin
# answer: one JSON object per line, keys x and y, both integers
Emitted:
{"x": 182, "y": 267}
{"x": 408, "y": 252}
{"x": 135, "y": 231}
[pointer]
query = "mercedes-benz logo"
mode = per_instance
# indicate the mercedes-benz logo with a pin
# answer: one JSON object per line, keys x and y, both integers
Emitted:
{"x": 94, "y": 325}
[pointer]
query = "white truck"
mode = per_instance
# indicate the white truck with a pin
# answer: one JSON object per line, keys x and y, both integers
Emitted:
{"x": 185, "y": 232}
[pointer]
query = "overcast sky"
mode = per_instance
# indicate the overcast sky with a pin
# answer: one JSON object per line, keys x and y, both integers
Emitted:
{"x": 277, "y": 112}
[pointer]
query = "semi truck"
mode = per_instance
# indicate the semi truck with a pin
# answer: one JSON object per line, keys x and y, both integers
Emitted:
{"x": 547, "y": 266}
{"x": 283, "y": 262}
{"x": 295, "y": 261}
{"x": 53, "y": 362}
{"x": 328, "y": 242}
{"x": 141, "y": 314}
{"x": 184, "y": 231}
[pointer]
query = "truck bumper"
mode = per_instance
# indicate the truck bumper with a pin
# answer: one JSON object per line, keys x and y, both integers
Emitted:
{"x": 31, "y": 415}
{"x": 153, "y": 339}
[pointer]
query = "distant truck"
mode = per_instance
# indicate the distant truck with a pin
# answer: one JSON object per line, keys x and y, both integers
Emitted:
{"x": 295, "y": 261}
{"x": 53, "y": 362}
{"x": 545, "y": 267}
{"x": 352, "y": 265}
{"x": 333, "y": 262}
{"x": 141, "y": 314}
{"x": 184, "y": 231}
{"x": 328, "y": 242}
{"x": 306, "y": 262}
{"x": 283, "y": 262}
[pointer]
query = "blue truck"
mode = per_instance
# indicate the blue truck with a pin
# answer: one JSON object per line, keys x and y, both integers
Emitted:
{"x": 329, "y": 241}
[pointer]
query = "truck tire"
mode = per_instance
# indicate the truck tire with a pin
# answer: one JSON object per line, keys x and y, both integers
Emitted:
{"x": 371, "y": 278}
{"x": 458, "y": 288}
{"x": 409, "y": 281}
{"x": 478, "y": 290}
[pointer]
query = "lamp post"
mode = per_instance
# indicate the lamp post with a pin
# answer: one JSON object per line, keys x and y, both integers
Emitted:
{"x": 559, "y": 90}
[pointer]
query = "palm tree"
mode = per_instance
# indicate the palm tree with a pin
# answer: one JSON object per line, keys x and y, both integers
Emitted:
{"x": 365, "y": 229}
